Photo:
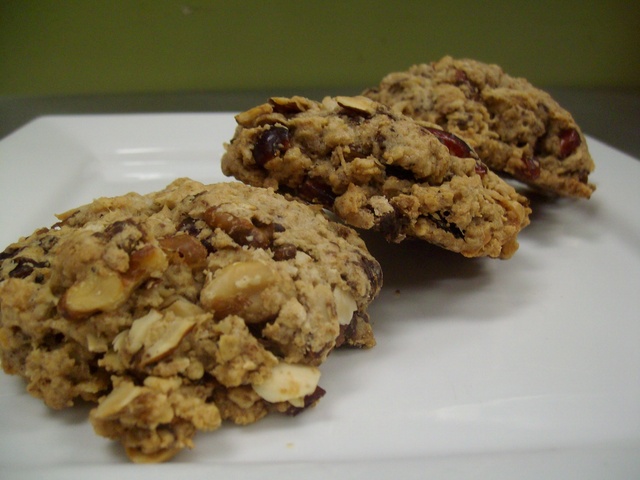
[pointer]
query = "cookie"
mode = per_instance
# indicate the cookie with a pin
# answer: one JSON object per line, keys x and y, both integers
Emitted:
{"x": 182, "y": 308}
{"x": 515, "y": 128}
{"x": 376, "y": 169}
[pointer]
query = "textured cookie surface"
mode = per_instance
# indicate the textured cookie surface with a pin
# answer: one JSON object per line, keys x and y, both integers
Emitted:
{"x": 378, "y": 170}
{"x": 514, "y": 127}
{"x": 182, "y": 308}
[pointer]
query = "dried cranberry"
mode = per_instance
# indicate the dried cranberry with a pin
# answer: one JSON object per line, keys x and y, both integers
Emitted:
{"x": 9, "y": 252}
{"x": 530, "y": 167}
{"x": 270, "y": 144}
{"x": 315, "y": 191}
{"x": 399, "y": 172}
{"x": 441, "y": 221}
{"x": 569, "y": 141}
{"x": 392, "y": 225}
{"x": 481, "y": 168}
{"x": 25, "y": 266}
{"x": 308, "y": 401}
{"x": 373, "y": 271}
{"x": 188, "y": 225}
{"x": 462, "y": 80}
{"x": 455, "y": 144}
{"x": 47, "y": 242}
{"x": 583, "y": 176}
{"x": 461, "y": 77}
{"x": 118, "y": 227}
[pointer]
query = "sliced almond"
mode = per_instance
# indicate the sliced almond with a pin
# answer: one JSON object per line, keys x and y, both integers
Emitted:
{"x": 117, "y": 400}
{"x": 136, "y": 455}
{"x": 345, "y": 305}
{"x": 140, "y": 329}
{"x": 246, "y": 119}
{"x": 177, "y": 329}
{"x": 288, "y": 382}
{"x": 359, "y": 104}
{"x": 291, "y": 105}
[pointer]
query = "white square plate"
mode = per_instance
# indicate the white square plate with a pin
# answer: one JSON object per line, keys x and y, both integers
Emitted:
{"x": 527, "y": 368}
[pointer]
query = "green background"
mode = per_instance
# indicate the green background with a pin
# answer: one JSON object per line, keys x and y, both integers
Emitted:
{"x": 95, "y": 47}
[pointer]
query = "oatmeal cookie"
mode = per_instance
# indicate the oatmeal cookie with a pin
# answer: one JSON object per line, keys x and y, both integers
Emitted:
{"x": 377, "y": 169}
{"x": 182, "y": 308}
{"x": 516, "y": 128}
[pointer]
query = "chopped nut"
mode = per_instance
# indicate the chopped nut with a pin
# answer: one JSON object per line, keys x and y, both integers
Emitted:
{"x": 242, "y": 230}
{"x": 105, "y": 290}
{"x": 148, "y": 262}
{"x": 236, "y": 287}
{"x": 185, "y": 248}
{"x": 345, "y": 305}
{"x": 99, "y": 291}
{"x": 288, "y": 383}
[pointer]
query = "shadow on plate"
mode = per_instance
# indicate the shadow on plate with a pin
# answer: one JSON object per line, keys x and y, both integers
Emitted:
{"x": 419, "y": 263}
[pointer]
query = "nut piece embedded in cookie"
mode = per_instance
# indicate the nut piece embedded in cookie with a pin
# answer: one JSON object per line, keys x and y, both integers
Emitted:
{"x": 238, "y": 288}
{"x": 378, "y": 169}
{"x": 104, "y": 291}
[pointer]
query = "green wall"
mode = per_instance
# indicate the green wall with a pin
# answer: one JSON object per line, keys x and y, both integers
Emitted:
{"x": 94, "y": 46}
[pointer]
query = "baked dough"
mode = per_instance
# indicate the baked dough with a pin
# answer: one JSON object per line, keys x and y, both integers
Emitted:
{"x": 515, "y": 128}
{"x": 182, "y": 308}
{"x": 377, "y": 169}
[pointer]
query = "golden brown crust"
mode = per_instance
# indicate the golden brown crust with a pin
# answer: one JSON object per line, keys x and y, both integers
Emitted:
{"x": 516, "y": 128}
{"x": 378, "y": 170}
{"x": 173, "y": 310}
